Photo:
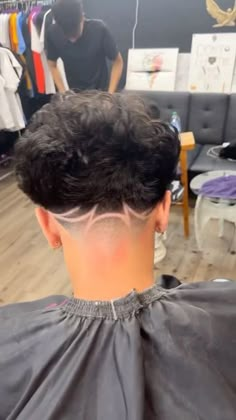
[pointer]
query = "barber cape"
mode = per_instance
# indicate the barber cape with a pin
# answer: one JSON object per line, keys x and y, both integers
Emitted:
{"x": 164, "y": 354}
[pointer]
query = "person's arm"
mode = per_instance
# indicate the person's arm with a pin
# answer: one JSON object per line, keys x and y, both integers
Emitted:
{"x": 56, "y": 76}
{"x": 112, "y": 53}
{"x": 116, "y": 72}
{"x": 52, "y": 55}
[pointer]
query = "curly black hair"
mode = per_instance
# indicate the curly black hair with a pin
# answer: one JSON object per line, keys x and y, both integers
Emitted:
{"x": 94, "y": 148}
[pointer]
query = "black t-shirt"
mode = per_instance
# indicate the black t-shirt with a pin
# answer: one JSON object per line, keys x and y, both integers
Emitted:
{"x": 85, "y": 59}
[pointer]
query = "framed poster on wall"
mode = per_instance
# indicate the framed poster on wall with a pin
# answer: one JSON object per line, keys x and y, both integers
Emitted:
{"x": 182, "y": 74}
{"x": 152, "y": 69}
{"x": 212, "y": 63}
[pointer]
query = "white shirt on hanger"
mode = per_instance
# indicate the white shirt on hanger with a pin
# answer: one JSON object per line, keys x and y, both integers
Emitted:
{"x": 42, "y": 33}
{"x": 6, "y": 118}
{"x": 4, "y": 30}
{"x": 11, "y": 71}
{"x": 60, "y": 64}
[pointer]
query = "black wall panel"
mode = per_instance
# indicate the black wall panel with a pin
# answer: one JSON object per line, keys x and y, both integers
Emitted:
{"x": 162, "y": 23}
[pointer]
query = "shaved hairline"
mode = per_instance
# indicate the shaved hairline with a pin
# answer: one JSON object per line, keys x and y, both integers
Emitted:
{"x": 127, "y": 216}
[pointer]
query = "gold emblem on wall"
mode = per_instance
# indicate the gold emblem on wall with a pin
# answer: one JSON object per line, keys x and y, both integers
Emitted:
{"x": 223, "y": 17}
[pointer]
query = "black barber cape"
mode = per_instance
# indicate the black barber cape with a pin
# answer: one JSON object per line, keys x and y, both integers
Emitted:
{"x": 160, "y": 355}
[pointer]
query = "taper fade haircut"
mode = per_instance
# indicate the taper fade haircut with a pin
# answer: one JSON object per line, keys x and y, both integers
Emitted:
{"x": 96, "y": 149}
{"x": 68, "y": 15}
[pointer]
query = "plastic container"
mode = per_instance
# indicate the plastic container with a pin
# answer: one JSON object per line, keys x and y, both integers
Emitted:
{"x": 176, "y": 121}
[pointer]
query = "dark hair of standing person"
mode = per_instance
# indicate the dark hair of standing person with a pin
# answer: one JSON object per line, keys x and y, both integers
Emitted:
{"x": 95, "y": 148}
{"x": 68, "y": 15}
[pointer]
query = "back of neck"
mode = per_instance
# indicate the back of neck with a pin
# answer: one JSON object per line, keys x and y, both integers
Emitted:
{"x": 104, "y": 273}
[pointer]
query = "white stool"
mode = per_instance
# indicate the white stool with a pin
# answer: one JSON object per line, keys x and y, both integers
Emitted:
{"x": 160, "y": 249}
{"x": 207, "y": 209}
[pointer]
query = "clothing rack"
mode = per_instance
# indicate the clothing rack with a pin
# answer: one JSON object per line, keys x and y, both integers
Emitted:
{"x": 12, "y": 6}
{"x": 29, "y": 3}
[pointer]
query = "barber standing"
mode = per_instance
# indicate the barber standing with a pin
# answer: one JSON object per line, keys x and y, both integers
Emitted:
{"x": 84, "y": 45}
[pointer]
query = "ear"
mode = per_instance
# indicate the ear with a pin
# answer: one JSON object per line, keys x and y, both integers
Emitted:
{"x": 49, "y": 227}
{"x": 162, "y": 214}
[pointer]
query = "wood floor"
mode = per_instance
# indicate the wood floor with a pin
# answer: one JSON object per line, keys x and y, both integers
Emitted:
{"x": 30, "y": 270}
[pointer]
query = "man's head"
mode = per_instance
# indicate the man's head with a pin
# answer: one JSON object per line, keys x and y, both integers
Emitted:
{"x": 98, "y": 166}
{"x": 96, "y": 149}
{"x": 69, "y": 16}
